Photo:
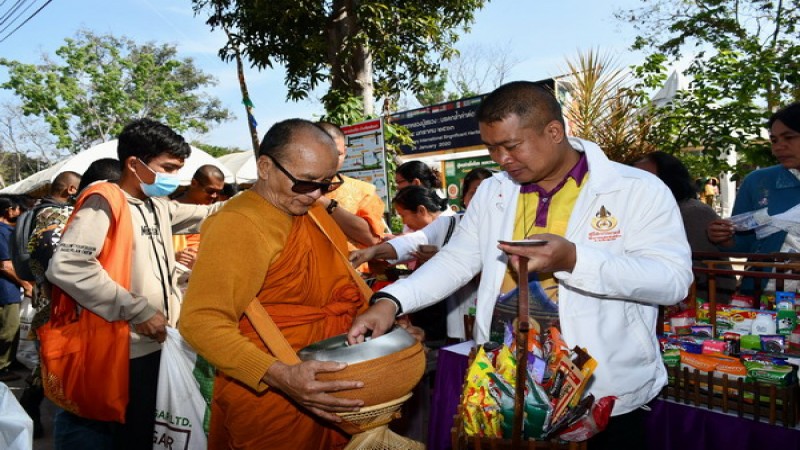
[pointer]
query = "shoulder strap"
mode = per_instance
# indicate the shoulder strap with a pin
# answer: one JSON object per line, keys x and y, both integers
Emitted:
{"x": 270, "y": 334}
{"x": 450, "y": 229}
{"x": 362, "y": 286}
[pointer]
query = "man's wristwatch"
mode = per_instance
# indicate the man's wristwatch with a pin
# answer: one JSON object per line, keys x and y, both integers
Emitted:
{"x": 332, "y": 206}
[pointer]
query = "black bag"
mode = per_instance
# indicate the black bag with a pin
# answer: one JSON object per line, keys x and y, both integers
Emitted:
{"x": 20, "y": 254}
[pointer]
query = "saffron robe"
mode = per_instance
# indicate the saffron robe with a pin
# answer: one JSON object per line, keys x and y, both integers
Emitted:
{"x": 252, "y": 249}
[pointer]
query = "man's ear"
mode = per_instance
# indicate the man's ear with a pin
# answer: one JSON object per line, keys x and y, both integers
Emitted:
{"x": 130, "y": 163}
{"x": 263, "y": 163}
{"x": 555, "y": 130}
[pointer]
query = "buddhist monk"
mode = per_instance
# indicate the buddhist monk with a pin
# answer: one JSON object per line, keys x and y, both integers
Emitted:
{"x": 275, "y": 243}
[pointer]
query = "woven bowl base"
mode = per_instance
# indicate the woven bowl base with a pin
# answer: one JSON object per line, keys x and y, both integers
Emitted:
{"x": 370, "y": 431}
{"x": 382, "y": 438}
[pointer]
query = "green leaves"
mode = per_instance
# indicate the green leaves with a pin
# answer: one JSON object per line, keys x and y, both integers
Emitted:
{"x": 744, "y": 67}
{"x": 367, "y": 49}
{"x": 101, "y": 82}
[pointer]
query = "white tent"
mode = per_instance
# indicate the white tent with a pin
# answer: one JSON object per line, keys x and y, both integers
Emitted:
{"x": 81, "y": 161}
{"x": 243, "y": 166}
{"x": 676, "y": 82}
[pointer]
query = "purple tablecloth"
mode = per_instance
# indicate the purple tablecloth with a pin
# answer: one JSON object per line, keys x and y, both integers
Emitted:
{"x": 670, "y": 426}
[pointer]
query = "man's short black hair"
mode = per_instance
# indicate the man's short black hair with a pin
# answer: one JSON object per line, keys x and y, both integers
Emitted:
{"x": 102, "y": 169}
{"x": 280, "y": 135}
{"x": 333, "y": 130}
{"x": 146, "y": 139}
{"x": 205, "y": 173}
{"x": 5, "y": 204}
{"x": 535, "y": 105}
{"x": 64, "y": 180}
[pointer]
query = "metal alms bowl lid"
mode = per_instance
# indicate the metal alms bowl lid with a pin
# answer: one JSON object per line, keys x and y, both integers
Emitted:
{"x": 337, "y": 348}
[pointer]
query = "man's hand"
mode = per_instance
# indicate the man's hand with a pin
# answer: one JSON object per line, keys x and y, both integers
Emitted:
{"x": 557, "y": 255}
{"x": 418, "y": 333}
{"x": 358, "y": 257}
{"x": 187, "y": 256}
{"x": 300, "y": 383}
{"x": 720, "y": 232}
{"x": 154, "y": 328}
{"x": 424, "y": 253}
{"x": 378, "y": 318}
{"x": 27, "y": 289}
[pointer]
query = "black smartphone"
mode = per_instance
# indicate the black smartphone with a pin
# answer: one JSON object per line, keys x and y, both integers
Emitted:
{"x": 524, "y": 242}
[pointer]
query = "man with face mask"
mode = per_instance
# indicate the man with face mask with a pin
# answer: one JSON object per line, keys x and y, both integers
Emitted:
{"x": 10, "y": 285}
{"x": 150, "y": 155}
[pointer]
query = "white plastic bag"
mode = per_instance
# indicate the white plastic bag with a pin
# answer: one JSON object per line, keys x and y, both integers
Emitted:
{"x": 27, "y": 354}
{"x": 184, "y": 396}
{"x": 16, "y": 428}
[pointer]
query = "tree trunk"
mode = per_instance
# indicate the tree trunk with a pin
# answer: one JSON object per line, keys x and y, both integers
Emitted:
{"x": 248, "y": 104}
{"x": 351, "y": 64}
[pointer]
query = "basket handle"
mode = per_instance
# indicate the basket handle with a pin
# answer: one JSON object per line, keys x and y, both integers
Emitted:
{"x": 523, "y": 327}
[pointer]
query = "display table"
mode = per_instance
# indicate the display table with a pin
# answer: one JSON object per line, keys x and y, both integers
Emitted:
{"x": 670, "y": 426}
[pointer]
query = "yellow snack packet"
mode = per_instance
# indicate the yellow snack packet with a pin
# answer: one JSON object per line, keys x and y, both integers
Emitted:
{"x": 507, "y": 366}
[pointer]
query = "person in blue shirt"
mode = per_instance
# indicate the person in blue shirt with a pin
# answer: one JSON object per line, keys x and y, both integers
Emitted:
{"x": 10, "y": 284}
{"x": 776, "y": 188}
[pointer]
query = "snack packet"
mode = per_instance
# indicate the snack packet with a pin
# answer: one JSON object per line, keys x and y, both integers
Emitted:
{"x": 538, "y": 410}
{"x": 506, "y": 366}
{"x": 591, "y": 422}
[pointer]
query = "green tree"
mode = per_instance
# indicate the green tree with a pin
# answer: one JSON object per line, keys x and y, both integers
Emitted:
{"x": 745, "y": 65}
{"x": 102, "y": 82}
{"x": 215, "y": 150}
{"x": 363, "y": 49}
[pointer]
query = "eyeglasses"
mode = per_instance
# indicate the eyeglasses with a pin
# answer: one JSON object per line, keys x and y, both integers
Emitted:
{"x": 305, "y": 186}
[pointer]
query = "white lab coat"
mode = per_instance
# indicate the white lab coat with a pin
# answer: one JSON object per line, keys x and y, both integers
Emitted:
{"x": 626, "y": 265}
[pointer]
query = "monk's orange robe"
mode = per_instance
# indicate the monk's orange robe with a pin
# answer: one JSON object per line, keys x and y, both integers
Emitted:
{"x": 251, "y": 249}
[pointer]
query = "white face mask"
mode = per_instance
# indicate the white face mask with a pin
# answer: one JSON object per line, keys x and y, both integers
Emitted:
{"x": 163, "y": 185}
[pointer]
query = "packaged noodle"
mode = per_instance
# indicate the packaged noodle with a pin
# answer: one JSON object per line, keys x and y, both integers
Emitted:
{"x": 506, "y": 366}
{"x": 503, "y": 393}
{"x": 554, "y": 348}
{"x": 591, "y": 422}
{"x": 538, "y": 410}
{"x": 481, "y": 411}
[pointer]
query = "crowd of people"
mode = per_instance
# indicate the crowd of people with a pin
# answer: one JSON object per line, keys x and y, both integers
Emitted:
{"x": 617, "y": 244}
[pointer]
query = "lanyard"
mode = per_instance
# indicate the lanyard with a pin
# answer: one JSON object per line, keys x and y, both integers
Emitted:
{"x": 155, "y": 252}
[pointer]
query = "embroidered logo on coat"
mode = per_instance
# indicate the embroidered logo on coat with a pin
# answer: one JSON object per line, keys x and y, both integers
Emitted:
{"x": 605, "y": 225}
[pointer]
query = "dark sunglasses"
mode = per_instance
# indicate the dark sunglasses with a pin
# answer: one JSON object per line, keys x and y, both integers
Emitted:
{"x": 307, "y": 187}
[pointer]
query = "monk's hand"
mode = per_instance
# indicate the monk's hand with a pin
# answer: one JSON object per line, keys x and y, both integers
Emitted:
{"x": 378, "y": 318}
{"x": 300, "y": 382}
{"x": 154, "y": 327}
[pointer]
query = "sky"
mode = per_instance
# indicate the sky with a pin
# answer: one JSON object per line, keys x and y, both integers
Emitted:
{"x": 538, "y": 35}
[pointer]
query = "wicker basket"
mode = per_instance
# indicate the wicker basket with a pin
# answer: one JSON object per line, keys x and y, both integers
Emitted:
{"x": 370, "y": 430}
{"x": 461, "y": 441}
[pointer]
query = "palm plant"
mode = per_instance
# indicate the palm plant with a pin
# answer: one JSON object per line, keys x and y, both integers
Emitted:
{"x": 604, "y": 105}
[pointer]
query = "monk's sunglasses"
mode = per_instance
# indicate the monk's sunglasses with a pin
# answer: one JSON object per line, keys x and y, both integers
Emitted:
{"x": 305, "y": 186}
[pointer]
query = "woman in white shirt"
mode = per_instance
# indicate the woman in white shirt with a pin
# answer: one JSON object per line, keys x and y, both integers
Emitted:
{"x": 424, "y": 242}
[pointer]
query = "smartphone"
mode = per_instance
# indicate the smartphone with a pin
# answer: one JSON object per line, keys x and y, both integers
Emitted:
{"x": 525, "y": 242}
